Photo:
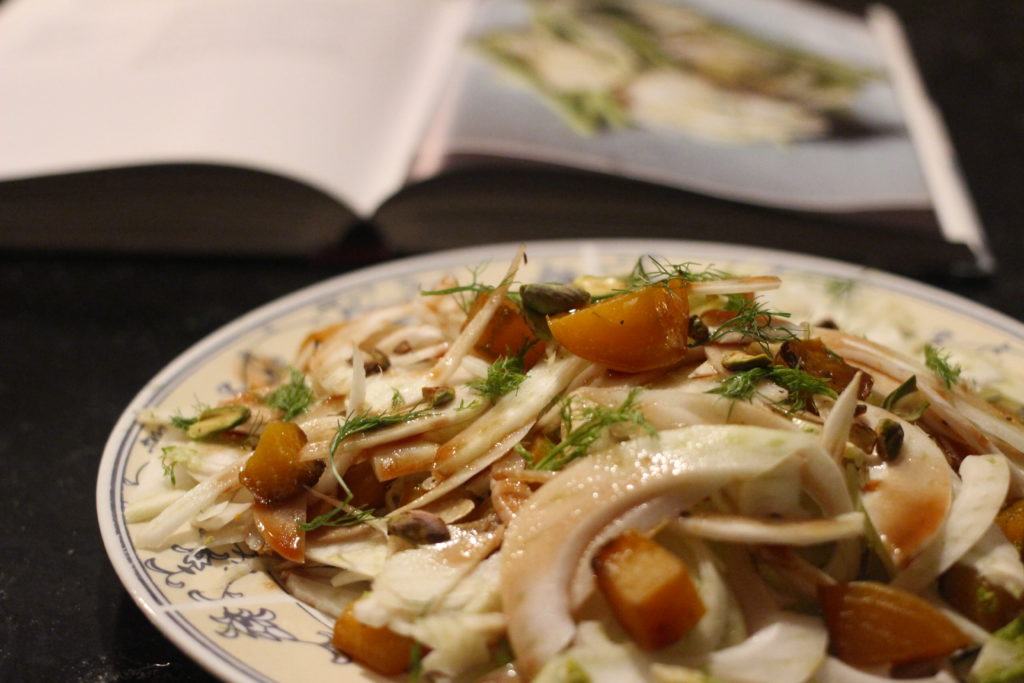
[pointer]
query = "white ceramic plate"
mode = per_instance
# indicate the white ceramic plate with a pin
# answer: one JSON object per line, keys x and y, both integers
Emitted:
{"x": 242, "y": 627}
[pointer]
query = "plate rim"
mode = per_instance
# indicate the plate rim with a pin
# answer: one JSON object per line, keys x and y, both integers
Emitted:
{"x": 108, "y": 492}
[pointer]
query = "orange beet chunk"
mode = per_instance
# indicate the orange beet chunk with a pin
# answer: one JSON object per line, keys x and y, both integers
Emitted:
{"x": 367, "y": 490}
{"x": 378, "y": 648}
{"x": 274, "y": 472}
{"x": 281, "y": 526}
{"x": 632, "y": 332}
{"x": 872, "y": 623}
{"x": 649, "y": 590}
{"x": 1011, "y": 521}
{"x": 812, "y": 356}
{"x": 507, "y": 333}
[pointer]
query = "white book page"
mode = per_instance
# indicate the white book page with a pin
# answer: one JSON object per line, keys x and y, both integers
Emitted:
{"x": 333, "y": 93}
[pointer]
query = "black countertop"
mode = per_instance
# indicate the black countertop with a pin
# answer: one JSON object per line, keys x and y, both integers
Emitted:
{"x": 81, "y": 334}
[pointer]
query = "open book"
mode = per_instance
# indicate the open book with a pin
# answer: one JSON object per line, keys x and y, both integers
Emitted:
{"x": 270, "y": 126}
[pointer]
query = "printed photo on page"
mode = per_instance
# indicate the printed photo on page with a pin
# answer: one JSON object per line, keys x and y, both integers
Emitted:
{"x": 773, "y": 102}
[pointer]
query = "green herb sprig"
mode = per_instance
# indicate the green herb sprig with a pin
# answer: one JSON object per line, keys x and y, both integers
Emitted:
{"x": 659, "y": 272}
{"x": 415, "y": 662}
{"x": 503, "y": 375}
{"x": 341, "y": 516}
{"x": 171, "y": 456}
{"x": 463, "y": 405}
{"x": 651, "y": 271}
{"x": 596, "y": 419}
{"x": 366, "y": 421}
{"x": 345, "y": 514}
{"x": 743, "y": 385}
{"x": 293, "y": 398}
{"x": 800, "y": 385}
{"x": 753, "y": 321}
{"x": 474, "y": 288}
{"x": 182, "y": 422}
{"x": 938, "y": 362}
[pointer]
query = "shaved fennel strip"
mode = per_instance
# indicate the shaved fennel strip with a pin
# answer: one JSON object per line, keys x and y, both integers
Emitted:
{"x": 546, "y": 540}
{"x": 542, "y": 385}
{"x": 739, "y": 285}
{"x": 710, "y": 630}
{"x": 836, "y": 430}
{"x": 490, "y": 542}
{"x": 826, "y": 484}
{"x": 319, "y": 449}
{"x": 457, "y": 642}
{"x": 997, "y": 561}
{"x": 912, "y": 494}
{"x": 461, "y": 477}
{"x": 416, "y": 582}
{"x": 789, "y": 650}
{"x": 328, "y": 363}
{"x": 877, "y": 358}
{"x": 996, "y": 426}
{"x": 678, "y": 407}
{"x": 420, "y": 355}
{"x": 415, "y": 337}
{"x": 146, "y": 509}
{"x": 801, "y": 575}
{"x": 736, "y": 529}
{"x": 357, "y": 391}
{"x": 757, "y": 602}
{"x": 969, "y": 416}
{"x": 445, "y": 367}
{"x": 986, "y": 479}
{"x": 823, "y": 481}
{"x": 155, "y": 533}
{"x": 643, "y": 517}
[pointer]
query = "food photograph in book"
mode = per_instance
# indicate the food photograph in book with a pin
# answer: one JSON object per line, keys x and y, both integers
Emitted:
{"x": 780, "y": 103}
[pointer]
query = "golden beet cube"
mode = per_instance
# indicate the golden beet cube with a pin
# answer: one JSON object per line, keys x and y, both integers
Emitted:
{"x": 631, "y": 332}
{"x": 378, "y": 648}
{"x": 872, "y": 623}
{"x": 507, "y": 333}
{"x": 274, "y": 472}
{"x": 1011, "y": 521}
{"x": 648, "y": 589}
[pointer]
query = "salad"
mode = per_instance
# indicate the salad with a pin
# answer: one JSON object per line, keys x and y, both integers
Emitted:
{"x": 649, "y": 476}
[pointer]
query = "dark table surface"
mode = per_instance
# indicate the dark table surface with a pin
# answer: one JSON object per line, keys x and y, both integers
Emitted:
{"x": 81, "y": 333}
